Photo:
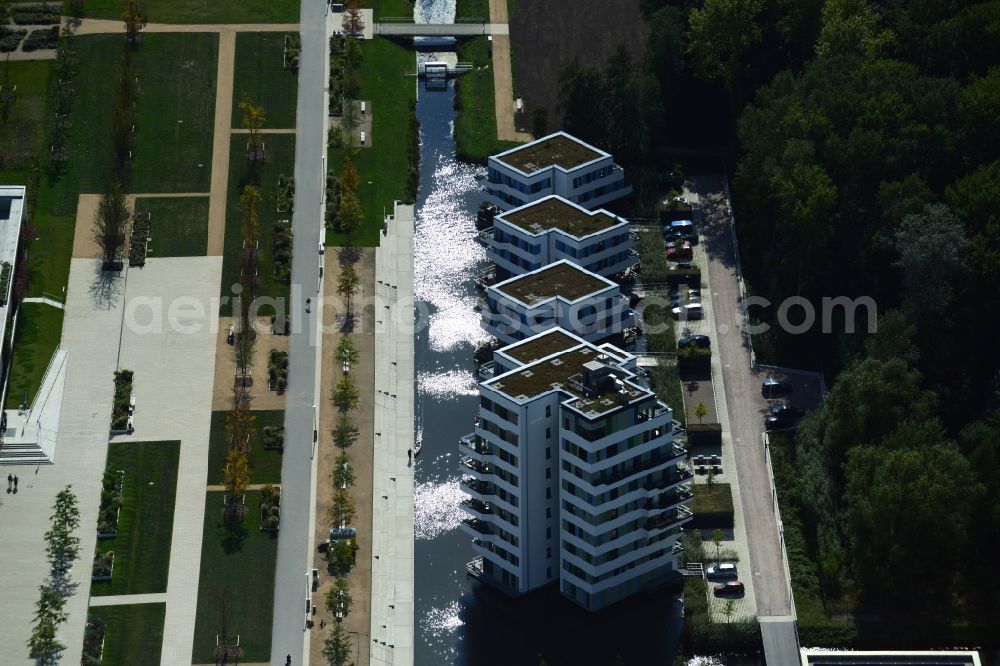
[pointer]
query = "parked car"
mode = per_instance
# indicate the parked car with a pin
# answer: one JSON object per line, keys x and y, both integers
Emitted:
{"x": 682, "y": 251}
{"x": 779, "y": 422}
{"x": 689, "y": 311}
{"x": 730, "y": 587}
{"x": 685, "y": 266}
{"x": 701, "y": 341}
{"x": 771, "y": 387}
{"x": 786, "y": 408}
{"x": 721, "y": 571}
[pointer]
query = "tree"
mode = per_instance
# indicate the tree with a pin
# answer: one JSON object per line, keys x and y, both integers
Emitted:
{"x": 850, "y": 27}
{"x": 343, "y": 473}
{"x": 347, "y": 351}
{"x": 345, "y": 432}
{"x": 349, "y": 179}
{"x": 236, "y": 475}
{"x": 337, "y": 647}
{"x": 338, "y": 598}
{"x": 349, "y": 214}
{"x": 342, "y": 509}
{"x": 346, "y": 394}
{"x": 247, "y": 206}
{"x": 717, "y": 540}
{"x": 109, "y": 226}
{"x": 933, "y": 250}
{"x": 253, "y": 121}
{"x": 341, "y": 555}
{"x": 347, "y": 283}
{"x": 49, "y": 614}
{"x": 579, "y": 85}
{"x": 721, "y": 35}
{"x": 135, "y": 21}
{"x": 353, "y": 23}
{"x": 700, "y": 410}
{"x": 539, "y": 121}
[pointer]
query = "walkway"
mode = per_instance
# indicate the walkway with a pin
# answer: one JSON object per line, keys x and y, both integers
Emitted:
{"x": 392, "y": 622}
{"x": 503, "y": 77}
{"x": 129, "y": 599}
{"x": 295, "y": 542}
{"x": 390, "y": 29}
{"x": 44, "y": 299}
{"x": 103, "y": 26}
{"x": 220, "y": 144}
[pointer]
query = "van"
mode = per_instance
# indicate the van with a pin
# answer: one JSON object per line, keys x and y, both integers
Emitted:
{"x": 721, "y": 571}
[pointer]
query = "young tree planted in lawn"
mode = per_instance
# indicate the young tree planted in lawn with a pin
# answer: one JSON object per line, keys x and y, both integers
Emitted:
{"x": 349, "y": 214}
{"x": 253, "y": 122}
{"x": 135, "y": 21}
{"x": 346, "y": 394}
{"x": 353, "y": 23}
{"x": 717, "y": 540}
{"x": 247, "y": 206}
{"x": 109, "y": 226}
{"x": 236, "y": 473}
{"x": 337, "y": 648}
{"x": 349, "y": 179}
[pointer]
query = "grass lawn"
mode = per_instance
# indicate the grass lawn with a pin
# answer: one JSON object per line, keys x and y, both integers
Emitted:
{"x": 386, "y": 166}
{"x": 472, "y": 9}
{"x": 260, "y": 74}
{"x": 476, "y": 119}
{"x": 391, "y": 8}
{"x": 178, "y": 227}
{"x": 265, "y": 466}
{"x": 717, "y": 499}
{"x": 133, "y": 634}
{"x": 145, "y": 526}
{"x": 280, "y": 160}
{"x": 238, "y": 564}
{"x": 202, "y": 11}
{"x": 39, "y": 329}
{"x": 22, "y": 130}
{"x": 175, "y": 113}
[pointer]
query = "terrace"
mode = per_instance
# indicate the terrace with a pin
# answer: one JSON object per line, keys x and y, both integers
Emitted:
{"x": 560, "y": 279}
{"x": 556, "y": 150}
{"x": 557, "y": 213}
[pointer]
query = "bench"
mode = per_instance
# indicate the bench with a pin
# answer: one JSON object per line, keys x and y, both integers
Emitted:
{"x": 362, "y": 137}
{"x": 363, "y": 107}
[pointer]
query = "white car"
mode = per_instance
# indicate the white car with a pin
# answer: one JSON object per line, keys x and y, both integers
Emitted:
{"x": 721, "y": 571}
{"x": 689, "y": 311}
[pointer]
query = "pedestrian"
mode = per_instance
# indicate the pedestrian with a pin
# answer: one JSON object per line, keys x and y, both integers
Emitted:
{"x": 10, "y": 481}
{"x": 15, "y": 483}
{"x": 322, "y": 623}
{"x": 288, "y": 660}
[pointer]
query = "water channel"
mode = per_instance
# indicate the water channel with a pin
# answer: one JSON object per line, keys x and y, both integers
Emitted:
{"x": 459, "y": 621}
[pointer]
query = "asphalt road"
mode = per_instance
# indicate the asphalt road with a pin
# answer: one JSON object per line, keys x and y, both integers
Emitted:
{"x": 294, "y": 557}
{"x": 746, "y": 406}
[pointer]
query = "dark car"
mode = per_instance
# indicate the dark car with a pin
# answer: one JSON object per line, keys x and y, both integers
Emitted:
{"x": 729, "y": 587}
{"x": 786, "y": 409}
{"x": 770, "y": 387}
{"x": 702, "y": 341}
{"x": 779, "y": 422}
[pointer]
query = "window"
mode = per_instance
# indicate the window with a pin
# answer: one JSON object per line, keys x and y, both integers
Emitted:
{"x": 548, "y": 472}
{"x": 548, "y": 532}
{"x": 548, "y": 411}
{"x": 548, "y": 435}
{"x": 548, "y": 552}
{"x": 548, "y": 512}
{"x": 548, "y": 452}
{"x": 548, "y": 493}
{"x": 548, "y": 572}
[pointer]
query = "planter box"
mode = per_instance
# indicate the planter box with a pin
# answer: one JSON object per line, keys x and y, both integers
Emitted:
{"x": 704, "y": 433}
{"x": 99, "y": 579}
{"x": 712, "y": 508}
{"x": 262, "y": 515}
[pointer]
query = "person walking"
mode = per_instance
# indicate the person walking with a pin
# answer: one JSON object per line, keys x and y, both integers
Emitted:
{"x": 10, "y": 482}
{"x": 15, "y": 483}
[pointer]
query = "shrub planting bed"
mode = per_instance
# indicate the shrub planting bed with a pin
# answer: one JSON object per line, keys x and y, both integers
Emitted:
{"x": 123, "y": 395}
{"x": 104, "y": 565}
{"x": 281, "y": 250}
{"x": 111, "y": 504}
{"x": 704, "y": 433}
{"x": 93, "y": 642}
{"x": 712, "y": 506}
{"x": 277, "y": 371}
{"x": 36, "y": 15}
{"x": 274, "y": 438}
{"x": 270, "y": 508}
{"x": 42, "y": 39}
{"x": 139, "y": 240}
{"x": 10, "y": 38}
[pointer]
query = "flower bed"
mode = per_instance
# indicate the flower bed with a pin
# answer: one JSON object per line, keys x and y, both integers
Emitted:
{"x": 293, "y": 46}
{"x": 281, "y": 250}
{"x": 93, "y": 643}
{"x": 111, "y": 504}
{"x": 139, "y": 241}
{"x": 270, "y": 508}
{"x": 123, "y": 396}
{"x": 104, "y": 566}
{"x": 10, "y": 38}
{"x": 46, "y": 38}
{"x": 277, "y": 371}
{"x": 36, "y": 15}
{"x": 274, "y": 438}
{"x": 286, "y": 193}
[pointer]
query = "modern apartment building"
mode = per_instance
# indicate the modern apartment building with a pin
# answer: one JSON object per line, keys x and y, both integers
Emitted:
{"x": 559, "y": 294}
{"x": 552, "y": 228}
{"x": 573, "y": 474}
{"x": 556, "y": 164}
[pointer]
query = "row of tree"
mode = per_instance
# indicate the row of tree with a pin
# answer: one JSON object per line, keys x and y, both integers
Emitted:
{"x": 62, "y": 547}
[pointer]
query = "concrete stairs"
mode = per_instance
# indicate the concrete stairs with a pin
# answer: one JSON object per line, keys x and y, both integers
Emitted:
{"x": 22, "y": 454}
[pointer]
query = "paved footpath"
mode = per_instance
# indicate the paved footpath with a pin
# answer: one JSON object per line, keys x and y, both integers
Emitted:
{"x": 503, "y": 77}
{"x": 221, "y": 140}
{"x": 104, "y": 26}
{"x": 90, "y": 336}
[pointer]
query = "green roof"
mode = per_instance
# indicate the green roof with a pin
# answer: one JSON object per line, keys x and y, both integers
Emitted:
{"x": 554, "y": 213}
{"x": 551, "y": 342}
{"x": 559, "y": 279}
{"x": 556, "y": 150}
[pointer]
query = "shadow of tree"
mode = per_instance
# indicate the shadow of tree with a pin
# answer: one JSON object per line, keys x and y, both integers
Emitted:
{"x": 106, "y": 287}
{"x": 234, "y": 533}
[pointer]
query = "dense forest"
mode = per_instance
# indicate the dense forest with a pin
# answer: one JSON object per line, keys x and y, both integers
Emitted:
{"x": 863, "y": 144}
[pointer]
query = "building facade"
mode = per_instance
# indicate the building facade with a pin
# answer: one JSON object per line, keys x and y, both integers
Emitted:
{"x": 573, "y": 474}
{"x": 527, "y": 238}
{"x": 556, "y": 164}
{"x": 560, "y": 294}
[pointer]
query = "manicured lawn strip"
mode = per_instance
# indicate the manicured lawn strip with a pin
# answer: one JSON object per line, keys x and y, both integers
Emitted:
{"x": 472, "y": 9}
{"x": 265, "y": 466}
{"x": 50, "y": 252}
{"x": 39, "y": 329}
{"x": 133, "y": 633}
{"x": 145, "y": 526}
{"x": 239, "y": 564}
{"x": 476, "y": 120}
{"x": 175, "y": 113}
{"x": 22, "y": 131}
{"x": 390, "y": 8}
{"x": 178, "y": 227}
{"x": 259, "y": 73}
{"x": 202, "y": 11}
{"x": 386, "y": 165}
{"x": 280, "y": 160}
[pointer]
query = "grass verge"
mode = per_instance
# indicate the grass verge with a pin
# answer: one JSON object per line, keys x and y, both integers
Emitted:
{"x": 386, "y": 168}
{"x": 260, "y": 74}
{"x": 39, "y": 329}
{"x": 145, "y": 526}
{"x": 476, "y": 119}
{"x": 175, "y": 113}
{"x": 200, "y": 11}
{"x": 178, "y": 226}
{"x": 472, "y": 9}
{"x": 265, "y": 466}
{"x": 281, "y": 160}
{"x": 230, "y": 557}
{"x": 21, "y": 132}
{"x": 133, "y": 634}
{"x": 391, "y": 8}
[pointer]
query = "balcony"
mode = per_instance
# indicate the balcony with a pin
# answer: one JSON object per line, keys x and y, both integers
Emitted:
{"x": 667, "y": 519}
{"x": 477, "y": 488}
{"x": 669, "y": 499}
{"x": 485, "y": 237}
{"x": 472, "y": 445}
{"x": 478, "y": 526}
{"x": 680, "y": 475}
{"x": 486, "y": 370}
{"x": 675, "y": 453}
{"x": 476, "y": 507}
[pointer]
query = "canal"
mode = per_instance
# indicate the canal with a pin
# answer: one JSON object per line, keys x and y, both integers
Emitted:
{"x": 458, "y": 621}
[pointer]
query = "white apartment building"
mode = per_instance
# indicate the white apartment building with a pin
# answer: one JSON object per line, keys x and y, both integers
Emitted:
{"x": 560, "y": 294}
{"x": 552, "y": 228}
{"x": 556, "y": 164}
{"x": 572, "y": 474}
